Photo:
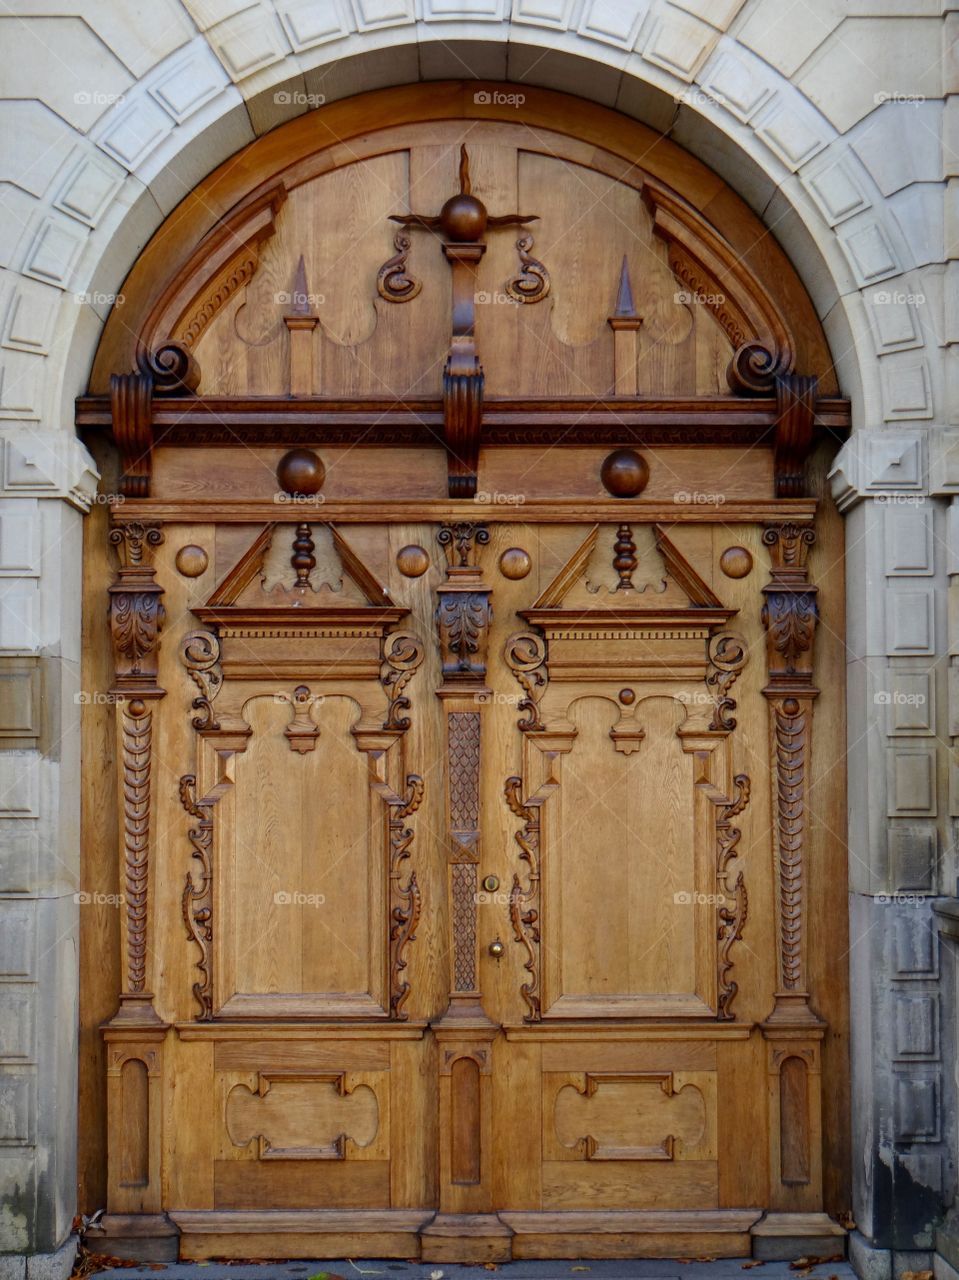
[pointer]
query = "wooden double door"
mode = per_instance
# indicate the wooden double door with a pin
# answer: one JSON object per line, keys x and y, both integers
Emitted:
{"x": 463, "y": 760}
{"x": 492, "y": 847}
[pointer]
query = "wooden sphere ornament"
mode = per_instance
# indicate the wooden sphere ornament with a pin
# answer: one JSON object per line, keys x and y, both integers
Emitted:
{"x": 300, "y": 473}
{"x": 736, "y": 562}
{"x": 191, "y": 560}
{"x": 463, "y": 219}
{"x": 515, "y": 563}
{"x": 624, "y": 473}
{"x": 412, "y": 561}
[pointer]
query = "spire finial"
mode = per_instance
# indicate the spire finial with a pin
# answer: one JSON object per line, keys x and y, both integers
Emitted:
{"x": 624, "y": 298}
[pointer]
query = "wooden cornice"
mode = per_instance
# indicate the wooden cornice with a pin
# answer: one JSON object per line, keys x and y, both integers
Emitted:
{"x": 281, "y": 420}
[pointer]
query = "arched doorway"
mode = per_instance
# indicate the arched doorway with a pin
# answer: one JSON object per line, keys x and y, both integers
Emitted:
{"x": 482, "y": 896}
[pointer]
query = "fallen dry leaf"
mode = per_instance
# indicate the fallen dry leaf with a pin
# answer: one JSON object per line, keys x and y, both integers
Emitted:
{"x": 917, "y": 1275}
{"x": 756, "y": 1262}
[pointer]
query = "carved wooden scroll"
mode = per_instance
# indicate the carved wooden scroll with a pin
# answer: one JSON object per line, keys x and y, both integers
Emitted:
{"x": 169, "y": 368}
{"x": 197, "y": 901}
{"x": 406, "y": 902}
{"x": 524, "y": 902}
{"x": 136, "y": 617}
{"x": 790, "y": 615}
{"x": 735, "y": 904}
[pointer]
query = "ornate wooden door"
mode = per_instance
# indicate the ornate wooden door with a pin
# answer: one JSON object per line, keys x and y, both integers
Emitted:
{"x": 475, "y": 692}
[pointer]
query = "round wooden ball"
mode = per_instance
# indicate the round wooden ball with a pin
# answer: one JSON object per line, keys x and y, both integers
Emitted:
{"x": 412, "y": 561}
{"x": 463, "y": 219}
{"x": 515, "y": 563}
{"x": 736, "y": 562}
{"x": 191, "y": 560}
{"x": 300, "y": 472}
{"x": 624, "y": 473}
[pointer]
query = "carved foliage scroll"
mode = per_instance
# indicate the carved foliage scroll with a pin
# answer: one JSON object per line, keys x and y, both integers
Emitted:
{"x": 197, "y": 901}
{"x": 524, "y": 903}
{"x": 735, "y": 903}
{"x": 405, "y": 899}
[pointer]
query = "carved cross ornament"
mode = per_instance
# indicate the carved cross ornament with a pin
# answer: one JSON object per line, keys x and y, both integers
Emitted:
{"x": 462, "y": 224}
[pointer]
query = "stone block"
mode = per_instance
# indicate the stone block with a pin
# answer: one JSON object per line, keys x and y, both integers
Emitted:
{"x": 899, "y": 146}
{"x": 53, "y": 1266}
{"x": 895, "y": 61}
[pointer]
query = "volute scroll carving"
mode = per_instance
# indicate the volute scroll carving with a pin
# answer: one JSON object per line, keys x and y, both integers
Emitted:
{"x": 734, "y": 909}
{"x": 526, "y": 657}
{"x": 406, "y": 901}
{"x": 200, "y": 654}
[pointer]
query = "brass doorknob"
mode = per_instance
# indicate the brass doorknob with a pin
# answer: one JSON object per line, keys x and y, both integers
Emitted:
{"x": 496, "y": 949}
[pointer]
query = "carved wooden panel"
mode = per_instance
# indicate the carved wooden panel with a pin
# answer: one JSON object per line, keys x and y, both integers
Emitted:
{"x": 638, "y": 1115}
{"x": 308, "y": 1116}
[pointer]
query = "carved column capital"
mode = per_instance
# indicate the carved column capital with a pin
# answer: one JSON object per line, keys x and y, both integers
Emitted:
{"x": 136, "y": 613}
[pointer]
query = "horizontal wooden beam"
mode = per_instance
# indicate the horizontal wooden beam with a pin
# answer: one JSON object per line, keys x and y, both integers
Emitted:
{"x": 282, "y": 421}
{"x": 444, "y": 510}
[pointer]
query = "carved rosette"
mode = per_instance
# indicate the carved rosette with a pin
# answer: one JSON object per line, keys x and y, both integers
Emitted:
{"x": 734, "y": 906}
{"x": 526, "y": 657}
{"x": 790, "y": 615}
{"x": 197, "y": 901}
{"x": 405, "y": 899}
{"x": 524, "y": 902}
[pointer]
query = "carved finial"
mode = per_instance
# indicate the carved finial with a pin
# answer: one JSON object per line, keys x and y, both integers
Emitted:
{"x": 465, "y": 186}
{"x": 301, "y": 294}
{"x": 625, "y": 307}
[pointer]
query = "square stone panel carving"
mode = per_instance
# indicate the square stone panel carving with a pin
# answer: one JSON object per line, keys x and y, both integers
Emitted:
{"x": 916, "y": 1026}
{"x": 911, "y": 782}
{"x": 910, "y": 617}
{"x": 917, "y": 1108}
{"x": 913, "y": 849}
{"x": 908, "y": 540}
{"x": 910, "y": 703}
{"x": 916, "y": 945}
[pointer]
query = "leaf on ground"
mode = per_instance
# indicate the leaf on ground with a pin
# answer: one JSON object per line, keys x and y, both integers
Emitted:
{"x": 581, "y": 1268}
{"x": 756, "y": 1262}
{"x": 156, "y": 1266}
{"x": 916, "y": 1275}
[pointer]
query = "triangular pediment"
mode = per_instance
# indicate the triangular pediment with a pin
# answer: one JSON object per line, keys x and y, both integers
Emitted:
{"x": 627, "y": 569}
